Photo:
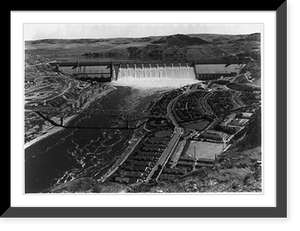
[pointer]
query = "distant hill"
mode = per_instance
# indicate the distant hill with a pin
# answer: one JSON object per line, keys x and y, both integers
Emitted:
{"x": 65, "y": 41}
{"x": 212, "y": 38}
{"x": 170, "y": 47}
{"x": 180, "y": 40}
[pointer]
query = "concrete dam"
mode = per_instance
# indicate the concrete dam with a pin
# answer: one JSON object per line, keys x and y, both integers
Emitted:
{"x": 155, "y": 71}
{"x": 116, "y": 70}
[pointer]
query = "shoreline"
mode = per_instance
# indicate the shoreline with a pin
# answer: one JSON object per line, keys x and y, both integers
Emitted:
{"x": 53, "y": 129}
{"x": 134, "y": 141}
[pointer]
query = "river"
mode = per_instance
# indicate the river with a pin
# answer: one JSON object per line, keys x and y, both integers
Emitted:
{"x": 72, "y": 152}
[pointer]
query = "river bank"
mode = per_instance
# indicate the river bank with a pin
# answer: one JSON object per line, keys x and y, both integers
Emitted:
{"x": 75, "y": 153}
{"x": 136, "y": 138}
{"x": 48, "y": 131}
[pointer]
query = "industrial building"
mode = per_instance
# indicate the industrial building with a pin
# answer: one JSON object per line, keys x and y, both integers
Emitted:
{"x": 244, "y": 115}
{"x": 215, "y": 71}
{"x": 93, "y": 73}
{"x": 214, "y": 135}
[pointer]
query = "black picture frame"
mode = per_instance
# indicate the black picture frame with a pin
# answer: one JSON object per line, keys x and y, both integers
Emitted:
{"x": 279, "y": 211}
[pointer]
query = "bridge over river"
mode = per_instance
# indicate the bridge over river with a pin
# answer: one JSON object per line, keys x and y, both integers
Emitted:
{"x": 129, "y": 120}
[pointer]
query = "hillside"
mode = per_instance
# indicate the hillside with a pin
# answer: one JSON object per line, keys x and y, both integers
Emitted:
{"x": 46, "y": 87}
{"x": 179, "y": 46}
{"x": 237, "y": 170}
{"x": 179, "y": 40}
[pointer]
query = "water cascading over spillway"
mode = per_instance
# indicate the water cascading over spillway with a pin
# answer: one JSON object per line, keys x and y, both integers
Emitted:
{"x": 156, "y": 71}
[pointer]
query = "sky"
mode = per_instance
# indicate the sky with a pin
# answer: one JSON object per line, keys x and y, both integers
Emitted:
{"x": 105, "y": 30}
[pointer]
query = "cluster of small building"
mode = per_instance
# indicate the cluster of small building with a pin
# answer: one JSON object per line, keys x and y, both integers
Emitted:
{"x": 221, "y": 101}
{"x": 139, "y": 164}
{"x": 187, "y": 107}
{"x": 235, "y": 121}
{"x": 192, "y": 106}
{"x": 215, "y": 136}
{"x": 184, "y": 165}
{"x": 30, "y": 82}
{"x": 225, "y": 130}
{"x": 191, "y": 163}
{"x": 250, "y": 97}
{"x": 160, "y": 107}
{"x": 172, "y": 173}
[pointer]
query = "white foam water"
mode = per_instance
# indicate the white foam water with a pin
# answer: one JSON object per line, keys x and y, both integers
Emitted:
{"x": 148, "y": 82}
{"x": 156, "y": 77}
{"x": 158, "y": 72}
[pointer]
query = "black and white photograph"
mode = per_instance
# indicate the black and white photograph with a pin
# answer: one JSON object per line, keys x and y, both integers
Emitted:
{"x": 143, "y": 108}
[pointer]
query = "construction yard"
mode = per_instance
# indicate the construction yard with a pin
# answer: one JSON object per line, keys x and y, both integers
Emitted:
{"x": 206, "y": 150}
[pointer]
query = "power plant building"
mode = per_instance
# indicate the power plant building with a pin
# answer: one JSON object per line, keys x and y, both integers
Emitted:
{"x": 215, "y": 71}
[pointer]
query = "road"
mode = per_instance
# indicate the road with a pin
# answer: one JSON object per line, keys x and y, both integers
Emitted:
{"x": 49, "y": 91}
{"x": 62, "y": 93}
{"x": 172, "y": 144}
{"x": 167, "y": 152}
{"x": 236, "y": 100}
{"x": 203, "y": 105}
{"x": 169, "y": 110}
{"x": 178, "y": 131}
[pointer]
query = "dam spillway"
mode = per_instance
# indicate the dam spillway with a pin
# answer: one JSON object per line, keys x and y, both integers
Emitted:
{"x": 155, "y": 71}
